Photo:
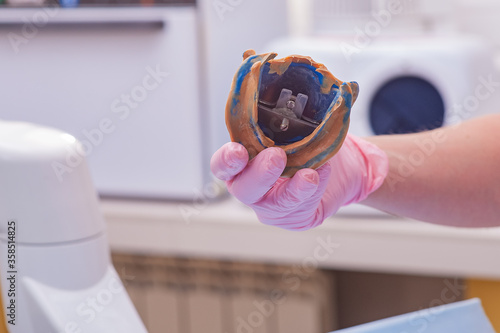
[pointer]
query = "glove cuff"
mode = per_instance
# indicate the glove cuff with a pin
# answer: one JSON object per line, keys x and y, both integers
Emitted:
{"x": 376, "y": 167}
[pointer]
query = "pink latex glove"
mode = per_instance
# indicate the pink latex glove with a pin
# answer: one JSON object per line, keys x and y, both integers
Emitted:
{"x": 305, "y": 200}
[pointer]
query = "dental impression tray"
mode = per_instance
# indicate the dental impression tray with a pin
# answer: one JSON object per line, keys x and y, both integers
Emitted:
{"x": 293, "y": 103}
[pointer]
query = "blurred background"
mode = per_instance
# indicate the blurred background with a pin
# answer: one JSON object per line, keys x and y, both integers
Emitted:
{"x": 143, "y": 85}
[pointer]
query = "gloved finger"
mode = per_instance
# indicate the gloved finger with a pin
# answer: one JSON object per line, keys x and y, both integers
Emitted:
{"x": 335, "y": 191}
{"x": 229, "y": 160}
{"x": 259, "y": 176}
{"x": 324, "y": 173}
{"x": 307, "y": 193}
{"x": 298, "y": 189}
{"x": 302, "y": 212}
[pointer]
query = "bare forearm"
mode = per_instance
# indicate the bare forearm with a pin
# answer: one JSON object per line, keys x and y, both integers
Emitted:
{"x": 447, "y": 176}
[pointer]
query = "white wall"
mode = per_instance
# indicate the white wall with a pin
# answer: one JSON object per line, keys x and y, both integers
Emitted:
{"x": 481, "y": 17}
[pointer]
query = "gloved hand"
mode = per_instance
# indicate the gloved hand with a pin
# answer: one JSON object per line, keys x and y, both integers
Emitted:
{"x": 305, "y": 200}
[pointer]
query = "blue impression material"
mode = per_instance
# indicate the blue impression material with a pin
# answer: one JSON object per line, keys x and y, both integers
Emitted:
{"x": 299, "y": 78}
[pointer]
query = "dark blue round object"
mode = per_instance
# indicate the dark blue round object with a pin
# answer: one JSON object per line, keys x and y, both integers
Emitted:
{"x": 406, "y": 105}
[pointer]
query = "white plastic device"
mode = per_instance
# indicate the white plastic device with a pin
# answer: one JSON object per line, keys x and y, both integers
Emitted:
{"x": 56, "y": 272}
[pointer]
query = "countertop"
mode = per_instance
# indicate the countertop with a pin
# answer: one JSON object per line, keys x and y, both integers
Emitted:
{"x": 356, "y": 238}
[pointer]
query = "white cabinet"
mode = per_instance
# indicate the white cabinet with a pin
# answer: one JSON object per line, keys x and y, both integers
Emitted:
{"x": 124, "y": 81}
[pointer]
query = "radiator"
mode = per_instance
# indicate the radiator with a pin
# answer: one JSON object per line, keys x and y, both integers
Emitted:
{"x": 180, "y": 295}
